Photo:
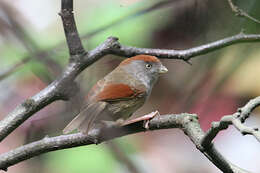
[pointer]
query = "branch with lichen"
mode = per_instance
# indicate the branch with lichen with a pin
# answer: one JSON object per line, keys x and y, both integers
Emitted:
{"x": 241, "y": 13}
{"x": 237, "y": 120}
{"x": 59, "y": 90}
{"x": 187, "y": 122}
{"x": 64, "y": 87}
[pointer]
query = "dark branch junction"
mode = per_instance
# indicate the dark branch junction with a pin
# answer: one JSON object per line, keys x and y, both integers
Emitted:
{"x": 64, "y": 87}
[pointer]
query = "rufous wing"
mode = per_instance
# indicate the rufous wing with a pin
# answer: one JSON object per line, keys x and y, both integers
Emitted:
{"x": 111, "y": 92}
{"x": 114, "y": 92}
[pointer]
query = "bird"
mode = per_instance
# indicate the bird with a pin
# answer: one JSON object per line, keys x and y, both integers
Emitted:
{"x": 119, "y": 94}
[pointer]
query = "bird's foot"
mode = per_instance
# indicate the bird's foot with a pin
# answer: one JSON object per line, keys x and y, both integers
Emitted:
{"x": 146, "y": 119}
{"x": 149, "y": 117}
{"x": 94, "y": 140}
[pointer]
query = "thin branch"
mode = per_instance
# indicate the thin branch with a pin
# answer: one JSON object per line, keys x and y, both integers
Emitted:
{"x": 13, "y": 68}
{"x": 122, "y": 157}
{"x": 64, "y": 87}
{"x": 187, "y": 122}
{"x": 236, "y": 119}
{"x": 188, "y": 53}
{"x": 50, "y": 64}
{"x": 156, "y": 6}
{"x": 244, "y": 130}
{"x": 241, "y": 13}
{"x": 143, "y": 11}
{"x": 60, "y": 90}
{"x": 248, "y": 108}
{"x": 15, "y": 26}
{"x": 70, "y": 29}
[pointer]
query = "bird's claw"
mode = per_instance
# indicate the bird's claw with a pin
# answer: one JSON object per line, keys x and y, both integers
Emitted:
{"x": 149, "y": 117}
{"x": 94, "y": 140}
{"x": 146, "y": 118}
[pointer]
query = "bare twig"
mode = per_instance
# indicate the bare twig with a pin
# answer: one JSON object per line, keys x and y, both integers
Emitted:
{"x": 187, "y": 122}
{"x": 156, "y": 6}
{"x": 15, "y": 26}
{"x": 60, "y": 90}
{"x": 122, "y": 157}
{"x": 88, "y": 35}
{"x": 64, "y": 88}
{"x": 236, "y": 119}
{"x": 248, "y": 108}
{"x": 52, "y": 66}
{"x": 70, "y": 29}
{"x": 241, "y": 13}
{"x": 13, "y": 68}
{"x": 187, "y": 54}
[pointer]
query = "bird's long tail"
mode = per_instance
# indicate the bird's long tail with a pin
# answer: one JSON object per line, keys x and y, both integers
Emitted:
{"x": 85, "y": 119}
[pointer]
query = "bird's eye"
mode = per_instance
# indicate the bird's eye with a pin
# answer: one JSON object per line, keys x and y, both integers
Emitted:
{"x": 148, "y": 66}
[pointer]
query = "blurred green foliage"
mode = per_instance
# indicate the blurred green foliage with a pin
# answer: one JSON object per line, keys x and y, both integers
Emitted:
{"x": 92, "y": 158}
{"x": 136, "y": 26}
{"x": 81, "y": 159}
{"x": 132, "y": 24}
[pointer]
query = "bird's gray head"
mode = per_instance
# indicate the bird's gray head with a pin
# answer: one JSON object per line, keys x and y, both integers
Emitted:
{"x": 146, "y": 68}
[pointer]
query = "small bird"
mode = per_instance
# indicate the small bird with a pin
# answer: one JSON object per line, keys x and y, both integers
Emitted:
{"x": 119, "y": 94}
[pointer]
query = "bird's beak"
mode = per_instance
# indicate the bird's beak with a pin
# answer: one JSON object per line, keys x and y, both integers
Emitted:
{"x": 163, "y": 69}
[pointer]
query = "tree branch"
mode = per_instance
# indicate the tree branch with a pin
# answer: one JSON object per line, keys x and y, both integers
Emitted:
{"x": 241, "y": 13}
{"x": 13, "y": 68}
{"x": 64, "y": 87}
{"x": 70, "y": 29}
{"x": 122, "y": 157}
{"x": 187, "y": 122}
{"x": 236, "y": 119}
{"x": 156, "y": 6}
{"x": 15, "y": 26}
{"x": 188, "y": 53}
{"x": 60, "y": 90}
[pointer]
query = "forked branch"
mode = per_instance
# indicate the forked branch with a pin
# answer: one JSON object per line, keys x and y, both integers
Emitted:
{"x": 237, "y": 120}
{"x": 187, "y": 122}
{"x": 64, "y": 87}
{"x": 241, "y": 13}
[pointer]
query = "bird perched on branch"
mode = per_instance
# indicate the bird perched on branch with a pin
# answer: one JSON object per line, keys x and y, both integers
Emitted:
{"x": 119, "y": 94}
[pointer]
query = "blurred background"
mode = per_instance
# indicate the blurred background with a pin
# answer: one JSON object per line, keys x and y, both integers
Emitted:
{"x": 33, "y": 53}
